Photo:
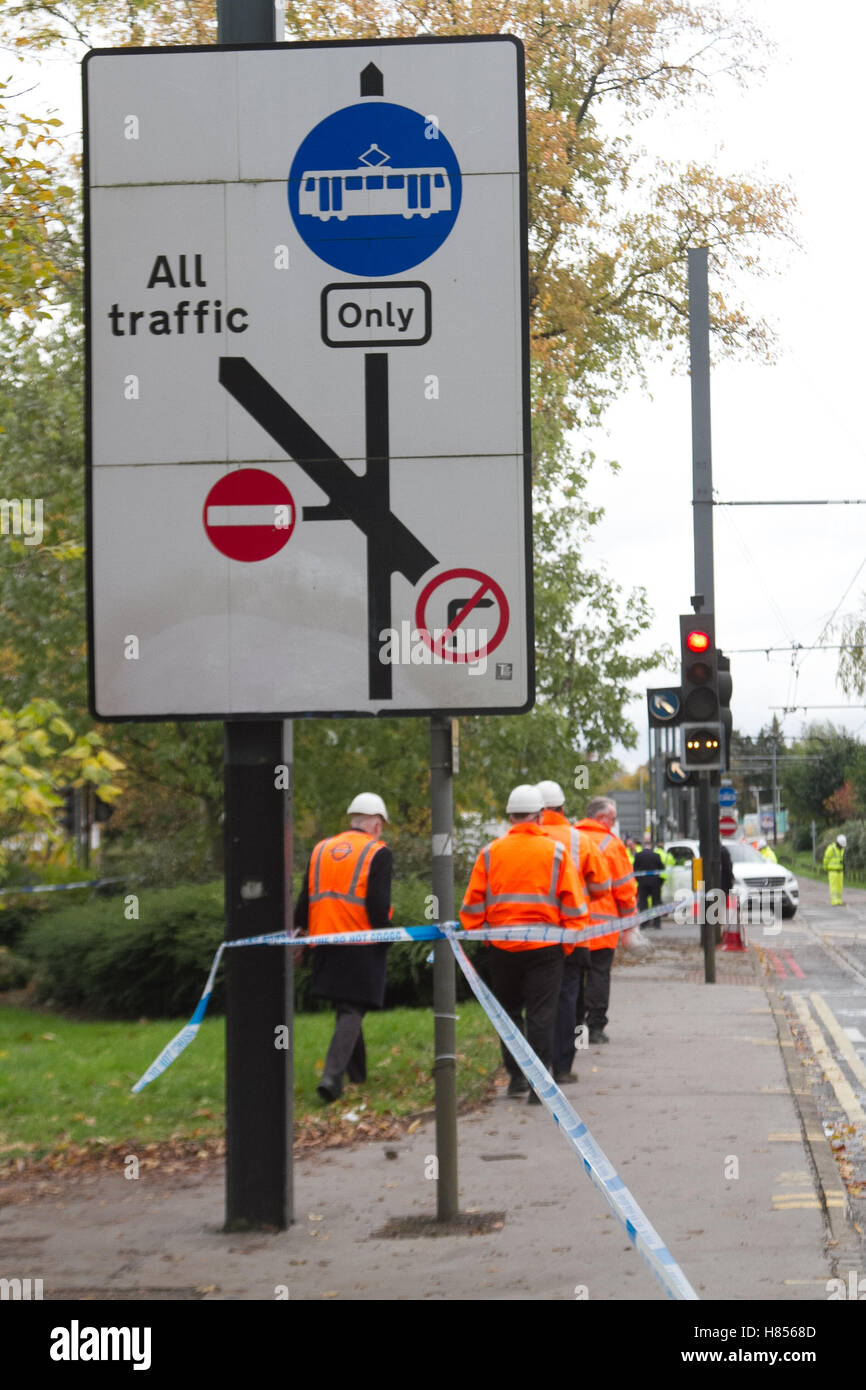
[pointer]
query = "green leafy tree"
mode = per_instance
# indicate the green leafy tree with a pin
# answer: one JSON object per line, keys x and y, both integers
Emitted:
{"x": 818, "y": 767}
{"x": 40, "y": 754}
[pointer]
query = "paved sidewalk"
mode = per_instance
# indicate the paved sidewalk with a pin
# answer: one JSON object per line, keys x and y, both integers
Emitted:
{"x": 690, "y": 1101}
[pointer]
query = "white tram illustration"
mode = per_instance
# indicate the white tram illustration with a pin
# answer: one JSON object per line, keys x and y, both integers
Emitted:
{"x": 374, "y": 189}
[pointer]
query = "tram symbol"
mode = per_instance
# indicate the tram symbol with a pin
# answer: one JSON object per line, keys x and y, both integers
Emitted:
{"x": 374, "y": 190}
{"x": 369, "y": 194}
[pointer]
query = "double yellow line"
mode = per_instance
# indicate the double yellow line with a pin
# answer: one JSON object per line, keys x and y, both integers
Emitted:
{"x": 840, "y": 1083}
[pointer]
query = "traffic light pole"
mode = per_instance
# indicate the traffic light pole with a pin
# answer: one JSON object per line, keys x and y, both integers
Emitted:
{"x": 702, "y": 511}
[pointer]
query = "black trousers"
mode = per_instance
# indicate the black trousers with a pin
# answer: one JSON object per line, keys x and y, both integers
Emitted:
{"x": 347, "y": 1052}
{"x": 566, "y": 1015}
{"x": 648, "y": 888}
{"x": 529, "y": 981}
{"x": 583, "y": 998}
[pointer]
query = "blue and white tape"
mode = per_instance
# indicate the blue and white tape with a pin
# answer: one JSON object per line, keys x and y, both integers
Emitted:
{"x": 601, "y": 1171}
{"x": 386, "y": 935}
{"x": 182, "y": 1040}
{"x": 58, "y": 887}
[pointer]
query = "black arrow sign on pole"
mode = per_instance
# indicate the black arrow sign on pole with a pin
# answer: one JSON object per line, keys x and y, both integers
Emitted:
{"x": 391, "y": 546}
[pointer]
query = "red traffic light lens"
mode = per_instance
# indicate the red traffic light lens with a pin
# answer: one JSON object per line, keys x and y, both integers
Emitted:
{"x": 698, "y": 641}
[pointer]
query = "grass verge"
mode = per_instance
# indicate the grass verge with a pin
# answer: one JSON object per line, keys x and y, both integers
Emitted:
{"x": 65, "y": 1084}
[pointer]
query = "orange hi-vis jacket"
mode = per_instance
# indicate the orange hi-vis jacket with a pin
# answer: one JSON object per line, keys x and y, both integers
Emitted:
{"x": 620, "y": 900}
{"x": 591, "y": 867}
{"x": 339, "y": 869}
{"x": 522, "y": 879}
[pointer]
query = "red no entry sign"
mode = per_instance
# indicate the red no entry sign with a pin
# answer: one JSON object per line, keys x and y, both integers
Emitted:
{"x": 728, "y": 825}
{"x": 472, "y": 605}
{"x": 249, "y": 514}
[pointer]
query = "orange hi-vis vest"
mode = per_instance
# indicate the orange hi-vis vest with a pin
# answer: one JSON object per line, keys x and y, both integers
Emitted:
{"x": 591, "y": 868}
{"x": 339, "y": 870}
{"x": 522, "y": 879}
{"x": 621, "y": 898}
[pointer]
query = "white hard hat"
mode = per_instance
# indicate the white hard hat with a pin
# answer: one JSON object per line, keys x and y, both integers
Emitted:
{"x": 842, "y": 840}
{"x": 551, "y": 793}
{"x": 367, "y": 804}
{"x": 762, "y": 844}
{"x": 525, "y": 800}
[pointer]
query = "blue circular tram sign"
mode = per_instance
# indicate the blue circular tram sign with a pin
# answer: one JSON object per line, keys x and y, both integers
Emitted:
{"x": 374, "y": 189}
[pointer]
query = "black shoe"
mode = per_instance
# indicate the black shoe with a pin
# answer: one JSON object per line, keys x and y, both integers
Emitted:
{"x": 598, "y": 1035}
{"x": 534, "y": 1099}
{"x": 518, "y": 1086}
{"x": 329, "y": 1089}
{"x": 562, "y": 1078}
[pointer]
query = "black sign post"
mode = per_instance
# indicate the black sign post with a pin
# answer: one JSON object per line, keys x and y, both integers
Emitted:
{"x": 259, "y": 979}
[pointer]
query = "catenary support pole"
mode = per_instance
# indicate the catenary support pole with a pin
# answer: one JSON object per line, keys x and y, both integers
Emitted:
{"x": 702, "y": 510}
{"x": 259, "y": 986}
{"x": 444, "y": 982}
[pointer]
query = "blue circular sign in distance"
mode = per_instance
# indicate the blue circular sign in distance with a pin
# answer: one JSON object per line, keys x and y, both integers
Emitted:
{"x": 676, "y": 772}
{"x": 665, "y": 704}
{"x": 372, "y": 192}
{"x": 727, "y": 796}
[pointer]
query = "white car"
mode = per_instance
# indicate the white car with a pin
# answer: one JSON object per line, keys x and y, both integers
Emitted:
{"x": 756, "y": 880}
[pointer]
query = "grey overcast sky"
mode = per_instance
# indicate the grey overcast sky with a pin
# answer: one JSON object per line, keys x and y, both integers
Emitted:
{"x": 790, "y": 430}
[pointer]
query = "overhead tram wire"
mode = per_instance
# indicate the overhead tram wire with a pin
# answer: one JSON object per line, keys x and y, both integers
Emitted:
{"x": 795, "y": 646}
{"x": 754, "y": 564}
{"x": 804, "y": 502}
{"x": 793, "y": 502}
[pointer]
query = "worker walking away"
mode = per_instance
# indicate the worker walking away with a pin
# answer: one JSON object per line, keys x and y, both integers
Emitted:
{"x": 596, "y": 957}
{"x": 347, "y": 888}
{"x": 767, "y": 852}
{"x": 834, "y": 858}
{"x": 521, "y": 879}
{"x": 594, "y": 880}
{"x": 648, "y": 868}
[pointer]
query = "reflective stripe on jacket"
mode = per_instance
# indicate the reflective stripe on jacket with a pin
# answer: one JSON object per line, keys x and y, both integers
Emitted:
{"x": 591, "y": 868}
{"x": 522, "y": 879}
{"x": 621, "y": 898}
{"x": 339, "y": 870}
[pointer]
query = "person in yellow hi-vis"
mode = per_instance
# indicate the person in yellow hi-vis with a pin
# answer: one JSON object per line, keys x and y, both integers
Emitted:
{"x": 834, "y": 856}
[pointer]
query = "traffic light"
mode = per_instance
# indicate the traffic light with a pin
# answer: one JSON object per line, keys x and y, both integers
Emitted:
{"x": 703, "y": 747}
{"x": 706, "y": 688}
{"x": 699, "y": 678}
{"x": 725, "y": 689}
{"x": 67, "y": 816}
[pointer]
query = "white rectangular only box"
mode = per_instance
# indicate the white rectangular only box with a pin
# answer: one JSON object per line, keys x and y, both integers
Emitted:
{"x": 307, "y": 380}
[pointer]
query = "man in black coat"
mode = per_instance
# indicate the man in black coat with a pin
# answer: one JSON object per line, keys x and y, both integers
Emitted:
{"x": 648, "y": 864}
{"x": 347, "y": 887}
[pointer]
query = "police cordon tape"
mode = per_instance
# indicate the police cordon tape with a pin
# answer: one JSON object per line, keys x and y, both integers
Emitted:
{"x": 600, "y": 1170}
{"x": 380, "y": 936}
{"x": 59, "y": 887}
{"x": 598, "y": 1166}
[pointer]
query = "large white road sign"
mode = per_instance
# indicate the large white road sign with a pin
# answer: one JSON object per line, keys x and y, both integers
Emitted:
{"x": 308, "y": 380}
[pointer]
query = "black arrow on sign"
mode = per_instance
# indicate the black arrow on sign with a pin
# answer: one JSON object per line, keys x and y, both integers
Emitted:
{"x": 391, "y": 546}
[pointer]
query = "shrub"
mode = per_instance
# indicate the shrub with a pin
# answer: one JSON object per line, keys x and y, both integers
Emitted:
{"x": 14, "y": 970}
{"x": 90, "y": 957}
